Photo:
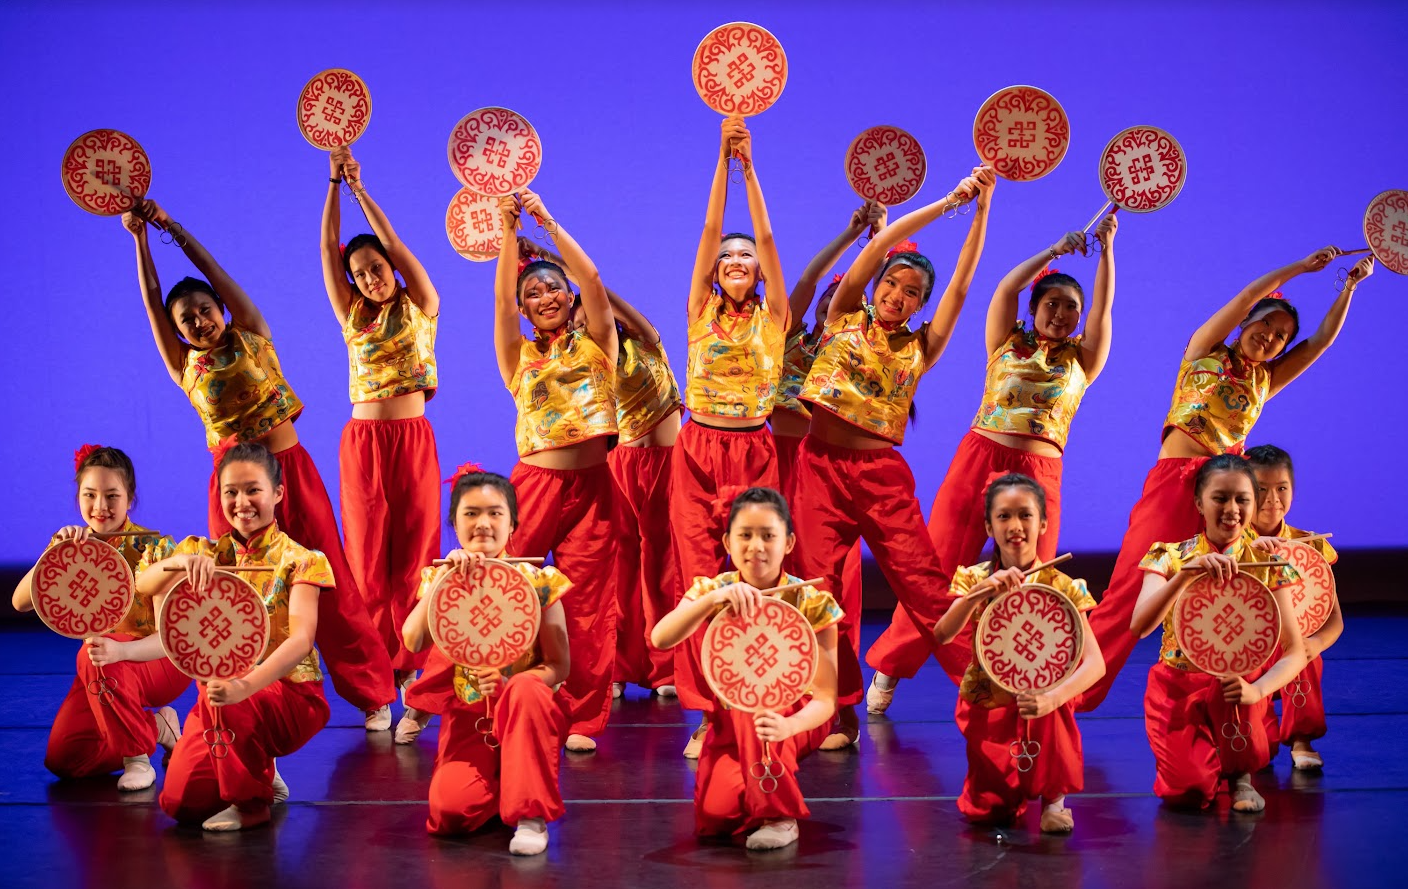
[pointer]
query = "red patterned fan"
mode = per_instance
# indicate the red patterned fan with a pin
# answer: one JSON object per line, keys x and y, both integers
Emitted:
{"x": 1386, "y": 230}
{"x": 81, "y": 588}
{"x": 1312, "y": 594}
{"x": 334, "y": 109}
{"x": 885, "y": 164}
{"x": 1143, "y": 169}
{"x": 473, "y": 227}
{"x": 1022, "y": 133}
{"x": 739, "y": 68}
{"x": 106, "y": 172}
{"x": 495, "y": 152}
{"x": 1227, "y": 630}
{"x": 1030, "y": 639}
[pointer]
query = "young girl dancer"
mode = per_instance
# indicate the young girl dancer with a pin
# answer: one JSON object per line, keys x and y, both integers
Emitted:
{"x": 390, "y": 474}
{"x": 562, "y": 380}
{"x": 275, "y": 708}
{"x": 1220, "y": 392}
{"x": 230, "y": 372}
{"x": 517, "y": 780}
{"x": 1035, "y": 381}
{"x": 1186, "y": 710}
{"x": 95, "y": 734}
{"x": 996, "y": 790}
{"x": 728, "y": 798}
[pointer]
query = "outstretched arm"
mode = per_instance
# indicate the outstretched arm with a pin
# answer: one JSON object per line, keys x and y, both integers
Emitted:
{"x": 1099, "y": 320}
{"x": 595, "y": 305}
{"x": 945, "y": 319}
{"x": 1305, "y": 353}
{"x": 334, "y": 277}
{"x": 418, "y": 285}
{"x": 1220, "y": 326}
{"x": 707, "y": 257}
{"x": 168, "y": 344}
{"x": 870, "y": 214}
{"x": 507, "y": 335}
{"x": 770, "y": 266}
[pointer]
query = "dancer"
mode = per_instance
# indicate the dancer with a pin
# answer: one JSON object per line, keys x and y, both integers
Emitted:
{"x": 390, "y": 477}
{"x": 728, "y": 798}
{"x": 93, "y": 733}
{"x": 1035, "y": 381}
{"x": 231, "y": 374}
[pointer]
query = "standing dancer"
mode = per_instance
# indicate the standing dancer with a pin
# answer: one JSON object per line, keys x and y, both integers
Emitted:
{"x": 1220, "y": 392}
{"x": 276, "y": 707}
{"x": 1035, "y": 381}
{"x": 93, "y": 735}
{"x": 1186, "y": 710}
{"x": 389, "y": 467}
{"x": 231, "y": 374}
{"x": 851, "y": 483}
{"x": 736, "y": 342}
{"x": 562, "y": 380}
{"x": 1303, "y": 703}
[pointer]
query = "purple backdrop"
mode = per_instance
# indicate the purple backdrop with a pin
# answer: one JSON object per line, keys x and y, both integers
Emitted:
{"x": 1291, "y": 115}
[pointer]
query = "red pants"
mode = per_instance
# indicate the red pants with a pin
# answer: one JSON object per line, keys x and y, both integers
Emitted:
{"x": 91, "y": 737}
{"x": 1165, "y": 513}
{"x": 473, "y": 782}
{"x": 390, "y": 519}
{"x": 349, "y": 644}
{"x": 995, "y": 791}
{"x": 570, "y": 513}
{"x": 844, "y": 495}
{"x": 274, "y": 721}
{"x": 1185, "y": 717}
{"x": 1302, "y": 705}
{"x": 650, "y": 578}
{"x": 957, "y": 529}
{"x": 709, "y": 468}
{"x": 727, "y": 797}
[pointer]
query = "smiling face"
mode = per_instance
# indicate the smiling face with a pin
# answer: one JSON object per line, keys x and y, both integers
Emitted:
{"x": 483, "y": 522}
{"x": 1015, "y": 524}
{"x": 1056, "y": 314}
{"x": 545, "y": 299}
{"x": 1227, "y": 504}
{"x": 1263, "y": 340}
{"x": 372, "y": 273}
{"x": 899, "y": 293}
{"x": 1274, "y": 491}
{"x": 757, "y": 541}
{"x": 199, "y": 319}
{"x": 248, "y": 497}
{"x": 736, "y": 270}
{"x": 103, "y": 499}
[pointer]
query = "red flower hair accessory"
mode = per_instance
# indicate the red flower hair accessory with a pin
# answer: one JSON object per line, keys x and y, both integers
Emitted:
{"x": 1045, "y": 270}
{"x": 1275, "y": 294}
{"x": 463, "y": 470}
{"x": 82, "y": 454}
{"x": 219, "y": 451}
{"x": 723, "y": 504}
{"x": 342, "y": 250}
{"x": 836, "y": 279}
{"x": 903, "y": 247}
{"x": 992, "y": 477}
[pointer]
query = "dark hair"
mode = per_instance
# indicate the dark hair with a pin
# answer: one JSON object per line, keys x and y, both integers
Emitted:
{"x": 917, "y": 261}
{"x": 493, "y": 480}
{"x": 1269, "y": 457}
{"x": 761, "y": 497}
{"x": 1222, "y": 463}
{"x": 1055, "y": 279}
{"x": 252, "y": 452}
{"x": 187, "y": 287}
{"x": 1281, "y": 305}
{"x": 357, "y": 243}
{"x": 1014, "y": 480}
{"x": 110, "y": 458}
{"x": 731, "y": 235}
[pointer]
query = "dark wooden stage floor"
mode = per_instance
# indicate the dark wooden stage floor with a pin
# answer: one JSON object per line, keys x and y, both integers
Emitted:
{"x": 882, "y": 816}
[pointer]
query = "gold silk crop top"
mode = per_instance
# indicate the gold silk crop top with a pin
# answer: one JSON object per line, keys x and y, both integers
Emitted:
{"x": 237, "y": 387}
{"x": 565, "y": 395}
{"x": 866, "y": 375}
{"x": 646, "y": 391}
{"x": 390, "y": 349}
{"x": 734, "y": 362}
{"x": 1218, "y": 398}
{"x": 1033, "y": 388}
{"x": 797, "y": 360}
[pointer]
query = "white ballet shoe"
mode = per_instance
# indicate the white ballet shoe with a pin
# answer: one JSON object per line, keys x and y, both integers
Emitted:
{"x": 409, "y": 727}
{"x": 1244, "y": 796}
{"x": 378, "y": 720}
{"x": 235, "y": 818}
{"x": 1056, "y": 818}
{"x": 529, "y": 838}
{"x": 617, "y": 689}
{"x": 168, "y": 728}
{"x": 878, "y": 698}
{"x": 280, "y": 787}
{"x": 137, "y": 774}
{"x": 773, "y": 835}
{"x": 1306, "y": 760}
{"x": 666, "y": 691}
{"x": 696, "y": 741}
{"x": 580, "y": 744}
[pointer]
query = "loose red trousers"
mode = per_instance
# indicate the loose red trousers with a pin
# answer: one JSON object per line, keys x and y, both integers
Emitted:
{"x": 995, "y": 790}
{"x": 649, "y": 578}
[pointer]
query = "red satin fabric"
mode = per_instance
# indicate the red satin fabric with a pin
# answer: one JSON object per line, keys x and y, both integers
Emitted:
{"x": 994, "y": 791}
{"x": 649, "y": 584}
{"x": 727, "y": 798}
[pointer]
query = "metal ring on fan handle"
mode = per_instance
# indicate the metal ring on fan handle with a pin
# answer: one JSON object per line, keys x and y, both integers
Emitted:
{"x": 768, "y": 771}
{"x": 102, "y": 688}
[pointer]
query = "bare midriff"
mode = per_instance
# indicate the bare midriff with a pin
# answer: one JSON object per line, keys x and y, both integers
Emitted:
{"x": 1178, "y": 443}
{"x": 661, "y": 435}
{"x": 790, "y": 424}
{"x": 833, "y": 430}
{"x": 402, "y": 407}
{"x": 579, "y": 456}
{"x": 1039, "y": 446}
{"x": 280, "y": 438}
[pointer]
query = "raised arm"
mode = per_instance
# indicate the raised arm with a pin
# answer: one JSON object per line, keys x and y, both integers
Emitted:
{"x": 1220, "y": 326}
{"x": 1305, "y": 353}
{"x": 508, "y": 338}
{"x": 418, "y": 285}
{"x": 334, "y": 274}
{"x": 769, "y": 265}
{"x": 631, "y": 318}
{"x": 1099, "y": 318}
{"x": 1006, "y": 301}
{"x": 595, "y": 305}
{"x": 940, "y": 329}
{"x": 804, "y": 291}
{"x": 168, "y": 344}
{"x": 707, "y": 257}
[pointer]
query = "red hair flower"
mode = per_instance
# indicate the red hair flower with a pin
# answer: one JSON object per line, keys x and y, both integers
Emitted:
{"x": 992, "y": 477}
{"x": 903, "y": 247}
{"x": 342, "y": 250}
{"x": 723, "y": 503}
{"x": 1275, "y": 294}
{"x": 463, "y": 470}
{"x": 82, "y": 454}
{"x": 1045, "y": 270}
{"x": 219, "y": 451}
{"x": 836, "y": 279}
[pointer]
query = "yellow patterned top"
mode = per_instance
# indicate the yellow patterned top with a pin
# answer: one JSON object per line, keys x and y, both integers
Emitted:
{"x": 565, "y": 395}
{"x": 1217, "y": 399}
{"x": 390, "y": 349}
{"x": 550, "y": 585}
{"x": 797, "y": 360}
{"x": 734, "y": 362}
{"x": 237, "y": 387}
{"x": 1321, "y": 546}
{"x": 646, "y": 391}
{"x": 138, "y": 552}
{"x": 1167, "y": 559}
{"x": 1033, "y": 387}
{"x": 293, "y": 564}
{"x": 977, "y": 687}
{"x": 867, "y": 375}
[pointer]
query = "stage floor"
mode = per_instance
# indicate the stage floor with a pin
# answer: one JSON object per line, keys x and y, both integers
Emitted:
{"x": 882, "y": 815}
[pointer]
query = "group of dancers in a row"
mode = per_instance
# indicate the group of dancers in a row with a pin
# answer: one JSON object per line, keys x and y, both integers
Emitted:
{"x": 641, "y": 514}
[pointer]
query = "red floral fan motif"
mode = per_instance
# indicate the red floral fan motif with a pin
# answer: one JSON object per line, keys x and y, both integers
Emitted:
{"x": 1313, "y": 593}
{"x": 885, "y": 164}
{"x": 472, "y": 224}
{"x": 106, "y": 172}
{"x": 1022, "y": 133}
{"x": 1229, "y": 630}
{"x": 334, "y": 109}
{"x": 763, "y": 663}
{"x": 1143, "y": 169}
{"x": 1386, "y": 230}
{"x": 81, "y": 588}
{"x": 495, "y": 151}
{"x": 218, "y": 634}
{"x": 740, "y": 69}
{"x": 1030, "y": 639}
{"x": 489, "y": 619}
